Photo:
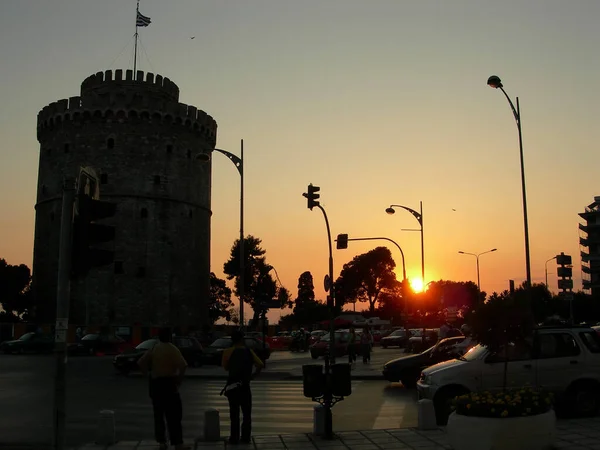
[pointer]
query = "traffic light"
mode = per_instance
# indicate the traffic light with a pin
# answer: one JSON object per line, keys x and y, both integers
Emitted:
{"x": 312, "y": 196}
{"x": 87, "y": 233}
{"x": 341, "y": 241}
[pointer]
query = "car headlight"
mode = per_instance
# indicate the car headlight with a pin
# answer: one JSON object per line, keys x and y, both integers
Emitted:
{"x": 131, "y": 359}
{"x": 425, "y": 379}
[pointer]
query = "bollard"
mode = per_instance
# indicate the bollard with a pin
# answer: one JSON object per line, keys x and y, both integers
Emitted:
{"x": 426, "y": 411}
{"x": 106, "y": 428}
{"x": 212, "y": 425}
{"x": 318, "y": 420}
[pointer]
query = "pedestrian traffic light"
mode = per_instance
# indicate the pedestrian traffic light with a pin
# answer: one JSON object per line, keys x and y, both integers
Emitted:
{"x": 341, "y": 241}
{"x": 87, "y": 233}
{"x": 312, "y": 196}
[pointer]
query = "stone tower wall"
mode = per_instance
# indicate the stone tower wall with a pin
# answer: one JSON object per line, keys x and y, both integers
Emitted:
{"x": 142, "y": 143}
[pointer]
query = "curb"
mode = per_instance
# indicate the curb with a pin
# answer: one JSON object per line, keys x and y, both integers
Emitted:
{"x": 223, "y": 376}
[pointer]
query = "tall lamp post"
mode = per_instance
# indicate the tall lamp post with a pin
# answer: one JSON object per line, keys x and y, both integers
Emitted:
{"x": 239, "y": 164}
{"x": 495, "y": 82}
{"x": 477, "y": 255}
{"x": 419, "y": 216}
{"x": 546, "y": 269}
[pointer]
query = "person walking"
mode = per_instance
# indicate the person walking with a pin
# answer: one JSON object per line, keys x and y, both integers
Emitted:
{"x": 365, "y": 345}
{"x": 238, "y": 361}
{"x": 352, "y": 346}
{"x": 167, "y": 369}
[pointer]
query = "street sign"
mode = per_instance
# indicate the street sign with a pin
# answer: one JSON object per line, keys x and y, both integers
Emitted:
{"x": 327, "y": 283}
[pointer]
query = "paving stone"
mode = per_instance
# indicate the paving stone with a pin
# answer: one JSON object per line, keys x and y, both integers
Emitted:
{"x": 356, "y": 441}
{"x": 359, "y": 447}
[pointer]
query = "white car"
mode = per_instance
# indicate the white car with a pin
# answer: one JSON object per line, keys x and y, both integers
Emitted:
{"x": 564, "y": 360}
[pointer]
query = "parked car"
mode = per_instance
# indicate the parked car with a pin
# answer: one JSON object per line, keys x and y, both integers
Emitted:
{"x": 282, "y": 339}
{"x": 407, "y": 369}
{"x": 213, "y": 354}
{"x": 417, "y": 344}
{"x": 190, "y": 349}
{"x": 397, "y": 338}
{"x": 340, "y": 348}
{"x": 316, "y": 335}
{"x": 29, "y": 343}
{"x": 95, "y": 344}
{"x": 564, "y": 360}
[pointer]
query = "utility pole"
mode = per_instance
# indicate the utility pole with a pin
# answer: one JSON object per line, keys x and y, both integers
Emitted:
{"x": 63, "y": 292}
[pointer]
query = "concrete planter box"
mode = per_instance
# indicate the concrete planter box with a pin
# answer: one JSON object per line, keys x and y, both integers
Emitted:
{"x": 515, "y": 433}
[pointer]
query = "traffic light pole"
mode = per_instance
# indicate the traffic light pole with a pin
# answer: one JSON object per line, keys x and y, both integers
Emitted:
{"x": 330, "y": 354}
{"x": 62, "y": 312}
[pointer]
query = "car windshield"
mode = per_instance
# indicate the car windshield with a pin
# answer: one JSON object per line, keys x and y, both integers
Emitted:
{"x": 147, "y": 345}
{"x": 476, "y": 352}
{"x": 90, "y": 337}
{"x": 397, "y": 333}
{"x": 326, "y": 337}
{"x": 26, "y": 336}
{"x": 221, "y": 343}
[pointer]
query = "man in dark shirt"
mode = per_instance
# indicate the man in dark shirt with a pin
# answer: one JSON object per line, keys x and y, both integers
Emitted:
{"x": 239, "y": 360}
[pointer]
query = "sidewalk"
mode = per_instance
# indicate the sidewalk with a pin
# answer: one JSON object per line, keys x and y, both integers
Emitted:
{"x": 577, "y": 434}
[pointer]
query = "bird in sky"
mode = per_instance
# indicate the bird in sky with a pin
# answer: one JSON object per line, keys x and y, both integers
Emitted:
{"x": 193, "y": 37}
{"x": 453, "y": 209}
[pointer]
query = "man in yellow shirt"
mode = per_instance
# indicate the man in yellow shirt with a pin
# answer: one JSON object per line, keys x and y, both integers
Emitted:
{"x": 167, "y": 368}
{"x": 239, "y": 360}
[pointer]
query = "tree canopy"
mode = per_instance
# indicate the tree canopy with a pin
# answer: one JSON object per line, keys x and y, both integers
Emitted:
{"x": 15, "y": 291}
{"x": 219, "y": 301}
{"x": 259, "y": 284}
{"x": 366, "y": 276}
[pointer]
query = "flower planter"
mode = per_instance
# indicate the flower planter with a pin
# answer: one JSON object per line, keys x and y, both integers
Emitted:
{"x": 514, "y": 433}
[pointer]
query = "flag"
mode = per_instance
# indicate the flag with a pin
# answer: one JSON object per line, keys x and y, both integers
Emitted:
{"x": 142, "y": 21}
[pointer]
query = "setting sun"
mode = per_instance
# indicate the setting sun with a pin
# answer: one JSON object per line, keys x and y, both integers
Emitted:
{"x": 416, "y": 284}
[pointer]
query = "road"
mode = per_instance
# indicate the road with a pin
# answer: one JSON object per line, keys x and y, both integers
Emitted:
{"x": 26, "y": 396}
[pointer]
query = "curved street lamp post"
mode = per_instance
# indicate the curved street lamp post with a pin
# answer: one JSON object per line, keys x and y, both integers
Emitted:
{"x": 495, "y": 82}
{"x": 419, "y": 216}
{"x": 477, "y": 255}
{"x": 238, "y": 162}
{"x": 546, "y": 269}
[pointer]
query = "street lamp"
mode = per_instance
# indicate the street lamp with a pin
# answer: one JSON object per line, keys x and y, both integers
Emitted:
{"x": 419, "y": 216}
{"x": 239, "y": 164}
{"x": 477, "y": 258}
{"x": 546, "y": 269}
{"x": 495, "y": 82}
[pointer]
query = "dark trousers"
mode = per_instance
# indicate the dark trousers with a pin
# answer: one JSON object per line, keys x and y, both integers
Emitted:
{"x": 351, "y": 354}
{"x": 166, "y": 403}
{"x": 240, "y": 398}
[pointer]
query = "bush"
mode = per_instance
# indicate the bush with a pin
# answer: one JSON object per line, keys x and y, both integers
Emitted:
{"x": 512, "y": 403}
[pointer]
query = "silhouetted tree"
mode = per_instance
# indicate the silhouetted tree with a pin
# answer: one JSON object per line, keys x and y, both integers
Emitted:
{"x": 306, "y": 290}
{"x": 363, "y": 278}
{"x": 15, "y": 291}
{"x": 219, "y": 301}
{"x": 259, "y": 284}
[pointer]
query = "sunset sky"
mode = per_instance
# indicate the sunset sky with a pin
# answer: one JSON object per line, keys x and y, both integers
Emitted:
{"x": 377, "y": 102}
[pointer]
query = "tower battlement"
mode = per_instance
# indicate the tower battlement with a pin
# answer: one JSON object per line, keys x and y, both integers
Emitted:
{"x": 107, "y": 96}
{"x": 108, "y": 79}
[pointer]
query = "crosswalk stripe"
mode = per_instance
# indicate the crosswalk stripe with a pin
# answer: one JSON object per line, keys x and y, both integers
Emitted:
{"x": 390, "y": 415}
{"x": 277, "y": 406}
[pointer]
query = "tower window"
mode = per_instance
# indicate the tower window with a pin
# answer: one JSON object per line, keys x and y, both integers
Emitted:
{"x": 141, "y": 272}
{"x": 67, "y": 148}
{"x": 169, "y": 149}
{"x": 189, "y": 154}
{"x": 156, "y": 179}
{"x": 190, "y": 214}
{"x": 49, "y": 151}
{"x": 103, "y": 178}
{"x": 119, "y": 267}
{"x": 110, "y": 143}
{"x": 144, "y": 213}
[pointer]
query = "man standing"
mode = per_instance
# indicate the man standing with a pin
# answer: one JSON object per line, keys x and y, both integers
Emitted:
{"x": 167, "y": 368}
{"x": 238, "y": 360}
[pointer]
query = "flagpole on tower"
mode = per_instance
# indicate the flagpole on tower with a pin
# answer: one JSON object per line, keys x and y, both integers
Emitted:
{"x": 137, "y": 13}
